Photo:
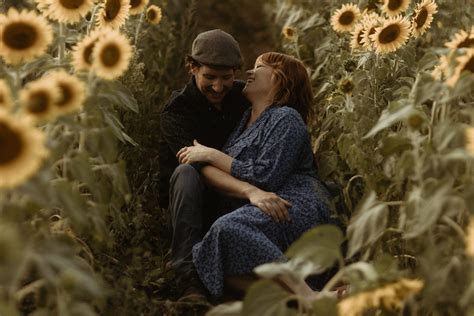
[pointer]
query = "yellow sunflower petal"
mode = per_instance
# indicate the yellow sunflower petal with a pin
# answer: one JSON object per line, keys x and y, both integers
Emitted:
{"x": 357, "y": 37}
{"x": 72, "y": 91}
{"x": 395, "y": 7}
{"x": 345, "y": 18}
{"x": 69, "y": 11}
{"x": 369, "y": 29}
{"x": 470, "y": 228}
{"x": 462, "y": 39}
{"x": 22, "y": 153}
{"x": 392, "y": 35}
{"x": 423, "y": 17}
{"x": 38, "y": 99}
{"x": 24, "y": 36}
{"x": 137, "y": 6}
{"x": 111, "y": 55}
{"x": 113, "y": 13}
{"x": 6, "y": 100}
{"x": 82, "y": 52}
{"x": 465, "y": 63}
{"x": 469, "y": 134}
{"x": 153, "y": 14}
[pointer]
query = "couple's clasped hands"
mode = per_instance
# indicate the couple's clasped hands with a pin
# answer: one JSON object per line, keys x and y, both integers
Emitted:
{"x": 269, "y": 202}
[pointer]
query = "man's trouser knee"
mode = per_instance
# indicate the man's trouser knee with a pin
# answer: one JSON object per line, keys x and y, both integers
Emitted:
{"x": 186, "y": 210}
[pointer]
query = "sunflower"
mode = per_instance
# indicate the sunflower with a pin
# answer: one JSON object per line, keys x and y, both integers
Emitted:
{"x": 43, "y": 7}
{"x": 391, "y": 35}
{"x": 290, "y": 33}
{"x": 82, "y": 52}
{"x": 462, "y": 39}
{"x": 69, "y": 11}
{"x": 72, "y": 91}
{"x": 345, "y": 18}
{"x": 111, "y": 55}
{"x": 153, "y": 14}
{"x": 423, "y": 17}
{"x": 113, "y": 13}
{"x": 6, "y": 100}
{"x": 395, "y": 7}
{"x": 38, "y": 99}
{"x": 357, "y": 36}
{"x": 137, "y": 6}
{"x": 24, "y": 36}
{"x": 469, "y": 135}
{"x": 22, "y": 151}
{"x": 441, "y": 69}
{"x": 465, "y": 63}
{"x": 369, "y": 29}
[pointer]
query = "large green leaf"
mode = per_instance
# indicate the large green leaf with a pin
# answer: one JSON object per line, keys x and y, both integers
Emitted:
{"x": 229, "y": 309}
{"x": 266, "y": 298}
{"x": 389, "y": 117}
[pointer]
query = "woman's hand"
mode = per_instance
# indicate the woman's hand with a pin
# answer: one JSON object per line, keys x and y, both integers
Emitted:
{"x": 271, "y": 204}
{"x": 196, "y": 153}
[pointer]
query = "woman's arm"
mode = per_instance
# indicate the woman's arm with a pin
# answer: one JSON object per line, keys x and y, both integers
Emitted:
{"x": 268, "y": 202}
{"x": 200, "y": 153}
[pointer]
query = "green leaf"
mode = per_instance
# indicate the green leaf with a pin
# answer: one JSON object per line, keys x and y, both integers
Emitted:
{"x": 425, "y": 88}
{"x": 368, "y": 224}
{"x": 325, "y": 305}
{"x": 394, "y": 144}
{"x": 118, "y": 94}
{"x": 266, "y": 298}
{"x": 297, "y": 269}
{"x": 390, "y": 117}
{"x": 229, "y": 309}
{"x": 320, "y": 245}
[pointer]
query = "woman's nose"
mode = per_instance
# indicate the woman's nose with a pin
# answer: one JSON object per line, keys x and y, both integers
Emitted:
{"x": 249, "y": 72}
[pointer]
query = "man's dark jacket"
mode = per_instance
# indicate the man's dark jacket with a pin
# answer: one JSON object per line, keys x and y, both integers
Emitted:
{"x": 187, "y": 116}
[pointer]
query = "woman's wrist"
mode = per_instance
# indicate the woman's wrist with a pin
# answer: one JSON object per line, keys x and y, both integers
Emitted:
{"x": 249, "y": 191}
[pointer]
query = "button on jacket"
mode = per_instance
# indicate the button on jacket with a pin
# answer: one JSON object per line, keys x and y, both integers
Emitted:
{"x": 188, "y": 115}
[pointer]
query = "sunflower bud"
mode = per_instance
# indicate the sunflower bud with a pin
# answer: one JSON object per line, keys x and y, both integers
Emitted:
{"x": 346, "y": 85}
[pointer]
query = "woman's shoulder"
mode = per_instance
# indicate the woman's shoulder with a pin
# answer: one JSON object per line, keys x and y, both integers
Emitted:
{"x": 287, "y": 113}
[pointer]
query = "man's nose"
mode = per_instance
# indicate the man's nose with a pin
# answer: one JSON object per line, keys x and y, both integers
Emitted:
{"x": 217, "y": 86}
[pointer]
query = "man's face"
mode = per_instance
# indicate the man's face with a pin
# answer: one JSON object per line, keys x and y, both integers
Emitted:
{"x": 213, "y": 83}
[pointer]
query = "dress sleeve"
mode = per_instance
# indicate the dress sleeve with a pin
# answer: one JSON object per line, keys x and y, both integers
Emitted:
{"x": 278, "y": 156}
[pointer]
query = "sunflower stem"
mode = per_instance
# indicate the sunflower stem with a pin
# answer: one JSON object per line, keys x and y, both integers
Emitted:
{"x": 62, "y": 42}
{"x": 139, "y": 27}
{"x": 92, "y": 20}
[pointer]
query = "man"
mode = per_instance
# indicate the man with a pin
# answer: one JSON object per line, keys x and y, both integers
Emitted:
{"x": 206, "y": 109}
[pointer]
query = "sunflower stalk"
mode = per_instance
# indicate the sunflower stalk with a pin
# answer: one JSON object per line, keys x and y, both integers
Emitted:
{"x": 61, "y": 43}
{"x": 92, "y": 20}
{"x": 139, "y": 27}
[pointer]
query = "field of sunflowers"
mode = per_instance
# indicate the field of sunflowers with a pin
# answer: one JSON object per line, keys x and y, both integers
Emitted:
{"x": 81, "y": 85}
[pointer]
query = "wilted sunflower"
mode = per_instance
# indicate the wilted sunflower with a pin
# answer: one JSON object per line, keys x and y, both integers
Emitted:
{"x": 72, "y": 91}
{"x": 395, "y": 7}
{"x": 391, "y": 35}
{"x": 469, "y": 135}
{"x": 345, "y": 18}
{"x": 69, "y": 11}
{"x": 82, "y": 52}
{"x": 38, "y": 99}
{"x": 137, "y": 6}
{"x": 369, "y": 29}
{"x": 6, "y": 100}
{"x": 113, "y": 13}
{"x": 462, "y": 39}
{"x": 111, "y": 55}
{"x": 289, "y": 33}
{"x": 153, "y": 14}
{"x": 390, "y": 296}
{"x": 357, "y": 36}
{"x": 24, "y": 36}
{"x": 22, "y": 151}
{"x": 465, "y": 63}
{"x": 423, "y": 17}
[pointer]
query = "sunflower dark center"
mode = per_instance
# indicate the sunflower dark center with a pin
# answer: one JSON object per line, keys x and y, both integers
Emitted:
{"x": 87, "y": 53}
{"x": 151, "y": 15}
{"x": 11, "y": 144}
{"x": 467, "y": 43}
{"x": 421, "y": 18}
{"x": 347, "y": 18}
{"x": 72, "y": 4}
{"x": 135, "y": 3}
{"x": 110, "y": 55}
{"x": 38, "y": 102}
{"x": 469, "y": 65}
{"x": 112, "y": 8}
{"x": 394, "y": 4}
{"x": 289, "y": 32}
{"x": 360, "y": 36}
{"x": 19, "y": 35}
{"x": 372, "y": 31}
{"x": 2, "y": 99}
{"x": 66, "y": 94}
{"x": 389, "y": 34}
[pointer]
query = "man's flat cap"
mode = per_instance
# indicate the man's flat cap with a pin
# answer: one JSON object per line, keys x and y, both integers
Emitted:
{"x": 216, "y": 48}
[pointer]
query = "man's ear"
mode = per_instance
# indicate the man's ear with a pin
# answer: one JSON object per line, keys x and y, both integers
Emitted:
{"x": 193, "y": 69}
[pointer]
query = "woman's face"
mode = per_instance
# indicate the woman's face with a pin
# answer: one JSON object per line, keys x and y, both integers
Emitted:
{"x": 259, "y": 81}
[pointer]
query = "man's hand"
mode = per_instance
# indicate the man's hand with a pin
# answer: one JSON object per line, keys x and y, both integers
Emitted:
{"x": 271, "y": 204}
{"x": 196, "y": 153}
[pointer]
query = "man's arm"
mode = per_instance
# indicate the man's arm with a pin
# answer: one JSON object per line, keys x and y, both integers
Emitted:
{"x": 268, "y": 202}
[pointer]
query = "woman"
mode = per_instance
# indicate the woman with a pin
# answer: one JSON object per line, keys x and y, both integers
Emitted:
{"x": 271, "y": 150}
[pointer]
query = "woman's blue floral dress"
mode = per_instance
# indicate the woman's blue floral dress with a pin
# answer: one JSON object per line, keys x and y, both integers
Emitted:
{"x": 274, "y": 154}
